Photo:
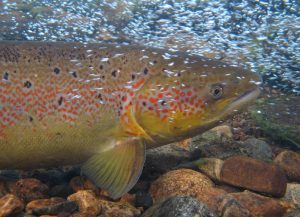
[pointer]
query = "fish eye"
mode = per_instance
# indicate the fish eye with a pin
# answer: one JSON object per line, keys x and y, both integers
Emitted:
{"x": 216, "y": 91}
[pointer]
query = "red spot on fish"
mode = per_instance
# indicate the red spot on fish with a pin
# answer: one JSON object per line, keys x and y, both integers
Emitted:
{"x": 152, "y": 100}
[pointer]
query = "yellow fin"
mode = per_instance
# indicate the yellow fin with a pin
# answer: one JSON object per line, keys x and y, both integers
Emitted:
{"x": 118, "y": 169}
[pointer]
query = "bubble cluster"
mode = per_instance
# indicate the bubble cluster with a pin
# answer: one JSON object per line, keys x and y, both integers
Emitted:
{"x": 263, "y": 36}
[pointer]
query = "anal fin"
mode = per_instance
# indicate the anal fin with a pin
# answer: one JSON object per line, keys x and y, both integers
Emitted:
{"x": 118, "y": 169}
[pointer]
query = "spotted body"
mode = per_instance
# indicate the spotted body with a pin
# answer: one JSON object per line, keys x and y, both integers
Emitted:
{"x": 61, "y": 103}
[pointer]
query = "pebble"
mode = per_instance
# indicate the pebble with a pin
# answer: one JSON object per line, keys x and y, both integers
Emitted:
{"x": 294, "y": 213}
{"x": 292, "y": 194}
{"x": 87, "y": 202}
{"x": 253, "y": 174}
{"x": 289, "y": 161}
{"x": 79, "y": 183}
{"x": 63, "y": 190}
{"x": 162, "y": 159}
{"x": 258, "y": 149}
{"x": 259, "y": 205}
{"x": 179, "y": 182}
{"x": 118, "y": 209}
{"x": 52, "y": 206}
{"x": 10, "y": 205}
{"x": 143, "y": 199}
{"x": 230, "y": 207}
{"x": 183, "y": 206}
{"x": 210, "y": 167}
{"x": 30, "y": 189}
{"x": 225, "y": 130}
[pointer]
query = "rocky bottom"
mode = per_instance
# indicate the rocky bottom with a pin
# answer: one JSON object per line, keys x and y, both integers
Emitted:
{"x": 229, "y": 171}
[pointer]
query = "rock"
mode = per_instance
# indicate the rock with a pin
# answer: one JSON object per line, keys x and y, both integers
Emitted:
{"x": 63, "y": 190}
{"x": 179, "y": 182}
{"x": 230, "y": 207}
{"x": 289, "y": 161}
{"x": 10, "y": 205}
{"x": 182, "y": 206}
{"x": 41, "y": 203}
{"x": 50, "y": 177}
{"x": 162, "y": 159}
{"x": 31, "y": 189}
{"x": 292, "y": 194}
{"x": 253, "y": 174}
{"x": 210, "y": 167}
{"x": 128, "y": 198}
{"x": 52, "y": 206}
{"x": 188, "y": 183}
{"x": 294, "y": 213}
{"x": 3, "y": 189}
{"x": 225, "y": 130}
{"x": 118, "y": 209}
{"x": 79, "y": 183}
{"x": 258, "y": 149}
{"x": 259, "y": 205}
{"x": 143, "y": 199}
{"x": 87, "y": 202}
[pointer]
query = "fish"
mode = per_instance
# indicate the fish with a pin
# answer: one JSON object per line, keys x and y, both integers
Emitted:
{"x": 102, "y": 105}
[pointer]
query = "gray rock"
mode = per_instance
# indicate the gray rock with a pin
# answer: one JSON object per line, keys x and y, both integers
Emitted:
{"x": 162, "y": 159}
{"x": 294, "y": 213}
{"x": 292, "y": 194}
{"x": 230, "y": 207}
{"x": 257, "y": 149}
{"x": 180, "y": 206}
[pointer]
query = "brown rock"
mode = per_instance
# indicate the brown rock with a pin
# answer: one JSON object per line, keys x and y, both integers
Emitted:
{"x": 188, "y": 183}
{"x": 230, "y": 207}
{"x": 31, "y": 189}
{"x": 253, "y": 174}
{"x": 10, "y": 204}
{"x": 36, "y": 204}
{"x": 128, "y": 198}
{"x": 225, "y": 130}
{"x": 210, "y": 167}
{"x": 289, "y": 161}
{"x": 87, "y": 202}
{"x": 179, "y": 182}
{"x": 118, "y": 209}
{"x": 79, "y": 183}
{"x": 260, "y": 206}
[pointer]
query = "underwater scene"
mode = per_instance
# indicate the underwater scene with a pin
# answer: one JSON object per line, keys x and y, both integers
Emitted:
{"x": 135, "y": 108}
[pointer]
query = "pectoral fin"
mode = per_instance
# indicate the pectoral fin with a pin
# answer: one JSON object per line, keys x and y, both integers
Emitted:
{"x": 118, "y": 169}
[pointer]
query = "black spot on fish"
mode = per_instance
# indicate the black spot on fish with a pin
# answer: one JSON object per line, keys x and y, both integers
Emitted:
{"x": 114, "y": 73}
{"x": 163, "y": 103}
{"x": 144, "y": 103}
{"x": 56, "y": 70}
{"x": 103, "y": 77}
{"x": 101, "y": 67}
{"x": 99, "y": 96}
{"x": 146, "y": 71}
{"x": 154, "y": 61}
{"x": 133, "y": 76}
{"x": 30, "y": 119}
{"x": 60, "y": 101}
{"x": 5, "y": 76}
{"x": 27, "y": 84}
{"x": 74, "y": 74}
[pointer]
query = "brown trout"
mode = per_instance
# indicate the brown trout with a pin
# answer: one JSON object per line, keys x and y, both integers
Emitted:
{"x": 103, "y": 104}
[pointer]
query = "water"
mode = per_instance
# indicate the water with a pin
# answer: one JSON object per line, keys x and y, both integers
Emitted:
{"x": 263, "y": 36}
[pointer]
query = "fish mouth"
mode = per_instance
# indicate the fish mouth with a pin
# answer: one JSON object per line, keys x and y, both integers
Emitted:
{"x": 242, "y": 100}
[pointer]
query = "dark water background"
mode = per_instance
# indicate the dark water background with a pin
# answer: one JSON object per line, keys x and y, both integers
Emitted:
{"x": 263, "y": 36}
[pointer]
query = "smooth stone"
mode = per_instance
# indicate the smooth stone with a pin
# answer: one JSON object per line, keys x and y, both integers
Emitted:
{"x": 183, "y": 206}
{"x": 292, "y": 194}
{"x": 210, "y": 167}
{"x": 54, "y": 207}
{"x": 259, "y": 205}
{"x": 111, "y": 209}
{"x": 258, "y": 149}
{"x": 225, "y": 130}
{"x": 50, "y": 177}
{"x": 254, "y": 174}
{"x": 87, "y": 202}
{"x": 294, "y": 213}
{"x": 162, "y": 159}
{"x": 31, "y": 189}
{"x": 179, "y": 182}
{"x": 289, "y": 161}
{"x": 143, "y": 199}
{"x": 230, "y": 207}
{"x": 41, "y": 203}
{"x": 63, "y": 190}
{"x": 10, "y": 205}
